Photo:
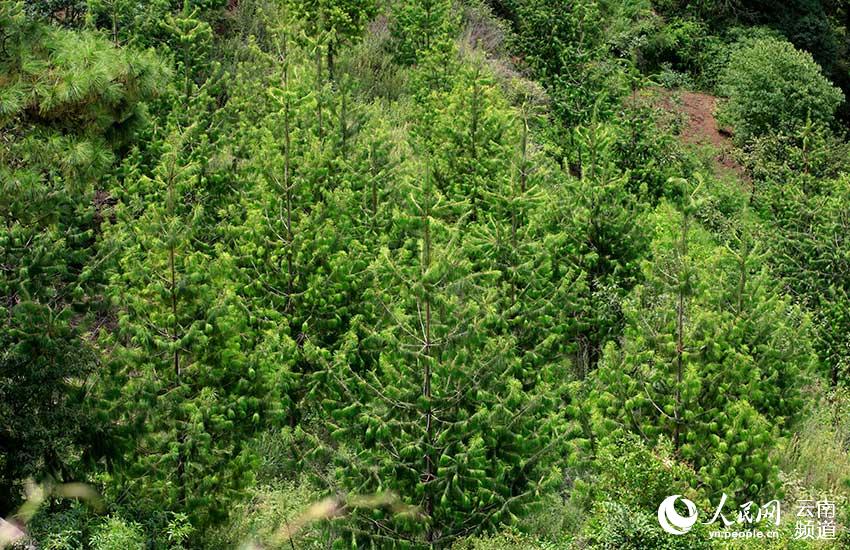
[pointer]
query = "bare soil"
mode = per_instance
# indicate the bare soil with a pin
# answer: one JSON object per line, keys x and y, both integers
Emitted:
{"x": 701, "y": 126}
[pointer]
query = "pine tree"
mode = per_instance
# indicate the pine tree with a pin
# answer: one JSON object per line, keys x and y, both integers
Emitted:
{"x": 806, "y": 229}
{"x": 442, "y": 416}
{"x": 423, "y": 29}
{"x": 282, "y": 252}
{"x": 562, "y": 42}
{"x": 694, "y": 366}
{"x": 539, "y": 296}
{"x": 472, "y": 143}
{"x": 334, "y": 23}
{"x": 194, "y": 379}
{"x": 592, "y": 232}
{"x": 190, "y": 39}
{"x": 68, "y": 101}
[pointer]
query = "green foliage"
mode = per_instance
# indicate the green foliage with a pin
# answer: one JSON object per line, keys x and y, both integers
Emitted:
{"x": 371, "y": 64}
{"x": 772, "y": 86}
{"x": 679, "y": 43}
{"x": 66, "y": 100}
{"x": 265, "y": 511}
{"x": 712, "y": 10}
{"x": 613, "y": 525}
{"x": 194, "y": 377}
{"x": 334, "y": 22}
{"x": 592, "y": 247}
{"x": 643, "y": 145}
{"x": 73, "y": 82}
{"x": 422, "y": 29}
{"x": 471, "y": 137}
{"x": 65, "y": 529}
{"x": 638, "y": 476}
{"x": 150, "y": 24}
{"x": 504, "y": 541}
{"x": 569, "y": 38}
{"x": 340, "y": 274}
{"x": 117, "y": 534}
{"x": 811, "y": 156}
{"x": 569, "y": 60}
{"x": 800, "y": 213}
{"x": 441, "y": 376}
{"x": 693, "y": 355}
{"x": 815, "y": 454}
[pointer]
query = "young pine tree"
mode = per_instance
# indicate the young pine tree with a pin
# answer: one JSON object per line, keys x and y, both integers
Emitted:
{"x": 472, "y": 143}
{"x": 442, "y": 416}
{"x": 69, "y": 99}
{"x": 695, "y": 365}
{"x": 334, "y": 23}
{"x": 192, "y": 380}
{"x": 593, "y": 233}
{"x": 422, "y": 29}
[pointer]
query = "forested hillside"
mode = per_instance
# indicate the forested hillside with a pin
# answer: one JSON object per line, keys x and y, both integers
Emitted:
{"x": 471, "y": 274}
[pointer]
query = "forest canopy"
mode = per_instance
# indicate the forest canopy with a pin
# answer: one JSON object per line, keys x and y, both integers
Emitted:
{"x": 471, "y": 274}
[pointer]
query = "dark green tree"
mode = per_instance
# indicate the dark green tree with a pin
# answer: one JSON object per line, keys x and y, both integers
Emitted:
{"x": 191, "y": 379}
{"x": 444, "y": 417}
{"x": 67, "y": 100}
{"x": 701, "y": 362}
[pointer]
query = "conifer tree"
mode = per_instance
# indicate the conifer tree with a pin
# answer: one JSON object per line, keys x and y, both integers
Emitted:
{"x": 335, "y": 23}
{"x": 539, "y": 296}
{"x": 568, "y": 58}
{"x": 194, "y": 380}
{"x": 191, "y": 41}
{"x": 591, "y": 231}
{"x": 807, "y": 227}
{"x": 694, "y": 345}
{"x": 423, "y": 29}
{"x": 442, "y": 416}
{"x": 472, "y": 142}
{"x": 284, "y": 168}
{"x": 67, "y": 98}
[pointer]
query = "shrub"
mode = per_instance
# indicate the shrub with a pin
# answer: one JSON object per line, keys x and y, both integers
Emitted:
{"x": 267, "y": 510}
{"x": 771, "y": 86}
{"x": 616, "y": 526}
{"x": 678, "y": 45}
{"x": 117, "y": 534}
{"x": 59, "y": 528}
{"x": 639, "y": 476}
{"x": 506, "y": 540}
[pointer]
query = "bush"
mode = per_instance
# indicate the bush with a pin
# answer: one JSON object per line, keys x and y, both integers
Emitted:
{"x": 117, "y": 534}
{"x": 771, "y": 86}
{"x": 639, "y": 476}
{"x": 267, "y": 509}
{"x": 506, "y": 540}
{"x": 677, "y": 45}
{"x": 56, "y": 527}
{"x": 616, "y": 526}
{"x": 814, "y": 153}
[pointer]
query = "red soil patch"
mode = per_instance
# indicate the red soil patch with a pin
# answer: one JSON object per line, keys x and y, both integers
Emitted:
{"x": 700, "y": 126}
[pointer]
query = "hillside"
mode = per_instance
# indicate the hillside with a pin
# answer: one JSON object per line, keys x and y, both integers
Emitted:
{"x": 440, "y": 274}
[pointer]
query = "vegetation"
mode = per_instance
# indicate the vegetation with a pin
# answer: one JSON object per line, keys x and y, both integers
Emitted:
{"x": 443, "y": 274}
{"x": 773, "y": 87}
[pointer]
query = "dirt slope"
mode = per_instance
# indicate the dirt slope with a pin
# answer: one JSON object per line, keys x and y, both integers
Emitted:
{"x": 701, "y": 127}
